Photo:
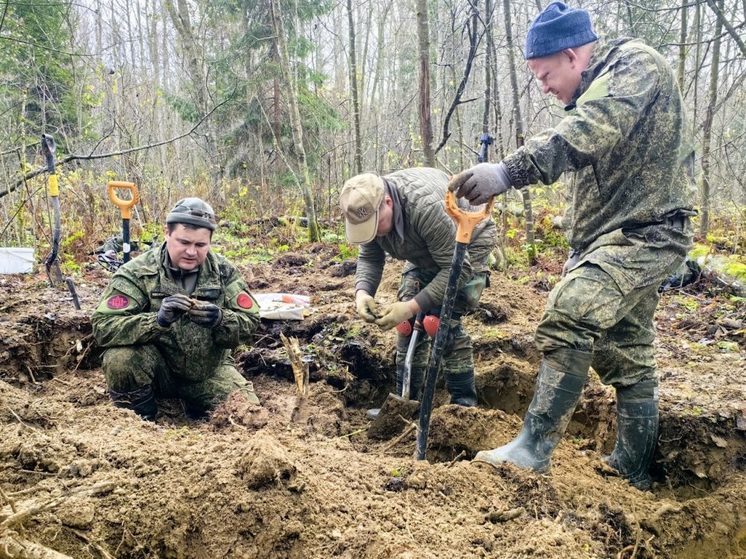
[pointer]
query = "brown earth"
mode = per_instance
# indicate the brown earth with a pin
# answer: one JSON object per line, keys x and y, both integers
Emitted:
{"x": 303, "y": 479}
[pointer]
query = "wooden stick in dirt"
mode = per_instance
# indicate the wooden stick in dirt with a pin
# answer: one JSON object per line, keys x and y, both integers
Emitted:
{"x": 27, "y": 510}
{"x": 15, "y": 547}
{"x": 300, "y": 369}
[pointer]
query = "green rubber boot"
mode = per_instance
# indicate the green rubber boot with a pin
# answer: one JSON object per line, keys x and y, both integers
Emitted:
{"x": 559, "y": 384}
{"x": 636, "y": 437}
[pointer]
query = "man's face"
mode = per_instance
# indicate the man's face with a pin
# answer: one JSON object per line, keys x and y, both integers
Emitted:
{"x": 558, "y": 74}
{"x": 187, "y": 248}
{"x": 385, "y": 217}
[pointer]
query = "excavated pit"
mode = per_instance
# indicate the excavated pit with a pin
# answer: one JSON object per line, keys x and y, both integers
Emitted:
{"x": 310, "y": 477}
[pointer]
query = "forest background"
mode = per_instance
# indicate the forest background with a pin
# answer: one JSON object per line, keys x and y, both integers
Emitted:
{"x": 265, "y": 107}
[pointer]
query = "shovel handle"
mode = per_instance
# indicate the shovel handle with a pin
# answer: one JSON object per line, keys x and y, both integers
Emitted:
{"x": 125, "y": 206}
{"x": 465, "y": 221}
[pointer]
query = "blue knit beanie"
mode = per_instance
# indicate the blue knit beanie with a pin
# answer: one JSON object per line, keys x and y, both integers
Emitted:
{"x": 557, "y": 28}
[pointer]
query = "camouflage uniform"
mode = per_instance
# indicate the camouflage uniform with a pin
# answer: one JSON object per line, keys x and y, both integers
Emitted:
{"x": 624, "y": 140}
{"x": 424, "y": 235}
{"x": 184, "y": 360}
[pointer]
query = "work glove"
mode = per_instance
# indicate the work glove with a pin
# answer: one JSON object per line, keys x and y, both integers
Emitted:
{"x": 172, "y": 308}
{"x": 205, "y": 314}
{"x": 481, "y": 182}
{"x": 366, "y": 306}
{"x": 394, "y": 314}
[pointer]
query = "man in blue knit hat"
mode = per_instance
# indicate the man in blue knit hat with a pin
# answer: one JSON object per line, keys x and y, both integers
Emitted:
{"x": 622, "y": 141}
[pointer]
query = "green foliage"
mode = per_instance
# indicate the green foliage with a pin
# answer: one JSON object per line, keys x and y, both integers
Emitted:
{"x": 37, "y": 69}
{"x": 347, "y": 251}
{"x": 248, "y": 65}
{"x": 736, "y": 268}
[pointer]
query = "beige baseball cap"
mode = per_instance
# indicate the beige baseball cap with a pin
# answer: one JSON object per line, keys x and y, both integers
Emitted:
{"x": 360, "y": 200}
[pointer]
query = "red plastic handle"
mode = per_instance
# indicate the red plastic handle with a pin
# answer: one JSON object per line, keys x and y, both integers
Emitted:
{"x": 431, "y": 323}
{"x": 404, "y": 328}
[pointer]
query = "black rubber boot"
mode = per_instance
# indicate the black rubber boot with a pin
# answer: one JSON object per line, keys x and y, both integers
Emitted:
{"x": 558, "y": 387}
{"x": 462, "y": 389}
{"x": 141, "y": 401}
{"x": 636, "y": 437}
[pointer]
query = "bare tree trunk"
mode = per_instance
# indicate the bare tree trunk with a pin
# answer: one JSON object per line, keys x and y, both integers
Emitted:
{"x": 717, "y": 8}
{"x": 130, "y": 34}
{"x": 519, "y": 132}
{"x": 487, "y": 73}
{"x": 180, "y": 17}
{"x": 295, "y": 121}
{"x": 697, "y": 60}
{"x": 496, "y": 101}
{"x": 682, "y": 45}
{"x": 426, "y": 125}
{"x": 358, "y": 164}
{"x": 489, "y": 82}
{"x": 704, "y": 224}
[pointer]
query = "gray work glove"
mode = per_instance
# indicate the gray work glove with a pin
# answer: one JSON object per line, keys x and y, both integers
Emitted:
{"x": 366, "y": 306}
{"x": 480, "y": 183}
{"x": 172, "y": 308}
{"x": 206, "y": 314}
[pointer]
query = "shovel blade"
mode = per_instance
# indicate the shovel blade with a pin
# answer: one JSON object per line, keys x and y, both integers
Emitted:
{"x": 394, "y": 415}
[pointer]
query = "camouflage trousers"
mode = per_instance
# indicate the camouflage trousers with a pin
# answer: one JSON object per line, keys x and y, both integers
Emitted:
{"x": 131, "y": 367}
{"x": 458, "y": 355}
{"x": 606, "y": 302}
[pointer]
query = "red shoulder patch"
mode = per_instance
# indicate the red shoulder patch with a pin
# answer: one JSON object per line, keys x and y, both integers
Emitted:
{"x": 244, "y": 301}
{"x": 118, "y": 302}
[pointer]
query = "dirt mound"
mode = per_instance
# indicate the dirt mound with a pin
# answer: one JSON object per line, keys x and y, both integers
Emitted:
{"x": 303, "y": 480}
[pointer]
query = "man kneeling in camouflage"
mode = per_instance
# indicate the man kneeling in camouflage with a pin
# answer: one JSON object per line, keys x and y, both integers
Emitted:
{"x": 170, "y": 318}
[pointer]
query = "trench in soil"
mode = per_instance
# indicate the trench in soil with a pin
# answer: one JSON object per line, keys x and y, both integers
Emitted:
{"x": 688, "y": 466}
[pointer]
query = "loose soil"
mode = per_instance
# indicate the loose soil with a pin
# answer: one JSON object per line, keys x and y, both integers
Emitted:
{"x": 302, "y": 479}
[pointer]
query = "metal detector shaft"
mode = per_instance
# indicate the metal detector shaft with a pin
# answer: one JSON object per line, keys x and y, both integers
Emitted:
{"x": 466, "y": 222}
{"x": 407, "y": 380}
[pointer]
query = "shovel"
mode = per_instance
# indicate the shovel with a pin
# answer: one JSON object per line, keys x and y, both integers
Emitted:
{"x": 125, "y": 207}
{"x": 465, "y": 222}
{"x": 52, "y": 262}
{"x": 395, "y": 407}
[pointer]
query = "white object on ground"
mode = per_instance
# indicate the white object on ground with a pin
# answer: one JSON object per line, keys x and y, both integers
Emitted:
{"x": 282, "y": 306}
{"x": 16, "y": 260}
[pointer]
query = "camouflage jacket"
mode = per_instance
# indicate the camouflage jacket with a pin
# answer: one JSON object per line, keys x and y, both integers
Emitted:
{"x": 624, "y": 137}
{"x": 126, "y": 314}
{"x": 425, "y": 236}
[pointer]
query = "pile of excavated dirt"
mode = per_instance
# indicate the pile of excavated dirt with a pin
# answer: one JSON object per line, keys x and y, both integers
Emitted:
{"x": 304, "y": 480}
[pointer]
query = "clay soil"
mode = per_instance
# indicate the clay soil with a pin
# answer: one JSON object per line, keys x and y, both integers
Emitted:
{"x": 304, "y": 479}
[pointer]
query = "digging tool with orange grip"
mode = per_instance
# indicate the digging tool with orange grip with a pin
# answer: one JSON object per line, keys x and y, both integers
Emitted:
{"x": 465, "y": 224}
{"x": 125, "y": 207}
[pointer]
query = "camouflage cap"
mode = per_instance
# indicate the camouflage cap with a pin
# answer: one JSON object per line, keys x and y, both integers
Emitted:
{"x": 193, "y": 211}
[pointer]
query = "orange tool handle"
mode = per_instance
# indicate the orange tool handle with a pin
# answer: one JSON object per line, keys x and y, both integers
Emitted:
{"x": 125, "y": 206}
{"x": 465, "y": 221}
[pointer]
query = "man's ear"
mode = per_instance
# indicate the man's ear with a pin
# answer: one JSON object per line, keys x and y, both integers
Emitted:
{"x": 571, "y": 55}
{"x": 389, "y": 201}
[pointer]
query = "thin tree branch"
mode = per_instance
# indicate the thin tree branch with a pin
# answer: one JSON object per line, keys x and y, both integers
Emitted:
{"x": 92, "y": 156}
{"x": 474, "y": 39}
{"x": 719, "y": 14}
{"x": 5, "y": 11}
